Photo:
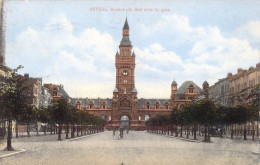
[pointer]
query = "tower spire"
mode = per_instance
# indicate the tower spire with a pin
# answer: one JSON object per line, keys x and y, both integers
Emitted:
{"x": 126, "y": 26}
{"x": 125, "y": 40}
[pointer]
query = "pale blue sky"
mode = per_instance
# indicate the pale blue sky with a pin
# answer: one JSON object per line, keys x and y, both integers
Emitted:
{"x": 64, "y": 42}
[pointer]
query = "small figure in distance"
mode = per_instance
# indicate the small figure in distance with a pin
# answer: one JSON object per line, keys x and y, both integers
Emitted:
{"x": 114, "y": 131}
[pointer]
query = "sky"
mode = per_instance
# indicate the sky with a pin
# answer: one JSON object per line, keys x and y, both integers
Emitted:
{"x": 74, "y": 43}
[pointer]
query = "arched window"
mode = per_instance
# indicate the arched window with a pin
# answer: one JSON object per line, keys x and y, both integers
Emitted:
{"x": 103, "y": 117}
{"x": 146, "y": 117}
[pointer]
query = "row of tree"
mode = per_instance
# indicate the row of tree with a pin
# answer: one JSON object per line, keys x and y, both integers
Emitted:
{"x": 15, "y": 105}
{"x": 205, "y": 114}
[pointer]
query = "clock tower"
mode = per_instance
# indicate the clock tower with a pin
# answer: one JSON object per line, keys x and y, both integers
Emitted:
{"x": 125, "y": 65}
{"x": 125, "y": 93}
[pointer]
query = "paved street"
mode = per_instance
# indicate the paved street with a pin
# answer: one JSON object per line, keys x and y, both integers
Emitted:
{"x": 135, "y": 148}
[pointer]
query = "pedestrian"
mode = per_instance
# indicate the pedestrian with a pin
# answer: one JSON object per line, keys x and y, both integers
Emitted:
{"x": 114, "y": 131}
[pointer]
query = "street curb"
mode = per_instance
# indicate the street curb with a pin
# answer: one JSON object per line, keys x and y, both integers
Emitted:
{"x": 190, "y": 140}
{"x": 82, "y": 137}
{"x": 11, "y": 154}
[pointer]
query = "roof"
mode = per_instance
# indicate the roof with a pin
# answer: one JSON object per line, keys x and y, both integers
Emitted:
{"x": 63, "y": 93}
{"x": 174, "y": 82}
{"x": 84, "y": 103}
{"x": 134, "y": 90}
{"x": 125, "y": 41}
{"x": 115, "y": 90}
{"x": 205, "y": 83}
{"x": 117, "y": 54}
{"x": 184, "y": 86}
{"x": 133, "y": 54}
{"x": 126, "y": 26}
{"x": 143, "y": 101}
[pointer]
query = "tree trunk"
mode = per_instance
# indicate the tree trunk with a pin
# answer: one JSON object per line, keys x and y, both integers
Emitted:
{"x": 16, "y": 129}
{"x": 67, "y": 131}
{"x": 245, "y": 131}
{"x": 187, "y": 129}
{"x": 72, "y": 131}
{"x": 205, "y": 133}
{"x": 221, "y": 131}
{"x": 45, "y": 128}
{"x": 77, "y": 130}
{"x": 37, "y": 131}
{"x": 194, "y": 132}
{"x": 209, "y": 134}
{"x": 231, "y": 131}
{"x": 51, "y": 129}
{"x": 181, "y": 131}
{"x": 59, "y": 133}
{"x": 253, "y": 130}
{"x": 9, "y": 136}
{"x": 81, "y": 132}
{"x": 28, "y": 129}
{"x": 257, "y": 128}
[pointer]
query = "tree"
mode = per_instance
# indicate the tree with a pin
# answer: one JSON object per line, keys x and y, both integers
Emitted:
{"x": 60, "y": 110}
{"x": 253, "y": 99}
{"x": 13, "y": 99}
{"x": 206, "y": 116}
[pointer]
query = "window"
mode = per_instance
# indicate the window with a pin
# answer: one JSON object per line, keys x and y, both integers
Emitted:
{"x": 222, "y": 89}
{"x": 190, "y": 90}
{"x": 103, "y": 117}
{"x": 104, "y": 106}
{"x": 148, "y": 106}
{"x": 147, "y": 117}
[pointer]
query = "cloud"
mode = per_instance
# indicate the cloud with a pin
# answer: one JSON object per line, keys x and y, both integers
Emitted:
{"x": 55, "y": 53}
{"x": 249, "y": 32}
{"x": 205, "y": 52}
{"x": 84, "y": 61}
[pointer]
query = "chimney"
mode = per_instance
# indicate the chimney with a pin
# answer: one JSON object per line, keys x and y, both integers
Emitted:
{"x": 26, "y": 75}
{"x": 239, "y": 70}
{"x": 251, "y": 68}
{"x": 99, "y": 101}
{"x": 257, "y": 65}
{"x": 229, "y": 75}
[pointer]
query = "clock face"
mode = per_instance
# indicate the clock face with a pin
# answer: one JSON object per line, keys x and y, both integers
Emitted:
{"x": 125, "y": 73}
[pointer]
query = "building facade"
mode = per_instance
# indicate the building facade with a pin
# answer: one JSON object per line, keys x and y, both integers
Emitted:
{"x": 241, "y": 84}
{"x": 219, "y": 92}
{"x": 57, "y": 92}
{"x": 125, "y": 108}
{"x": 46, "y": 97}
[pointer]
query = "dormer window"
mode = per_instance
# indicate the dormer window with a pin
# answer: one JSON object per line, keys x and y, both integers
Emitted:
{"x": 191, "y": 89}
{"x": 157, "y": 105}
{"x": 147, "y": 105}
{"x": 91, "y": 105}
{"x": 166, "y": 105}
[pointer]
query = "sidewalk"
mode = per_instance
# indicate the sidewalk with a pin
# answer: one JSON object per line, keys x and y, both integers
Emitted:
{"x": 200, "y": 138}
